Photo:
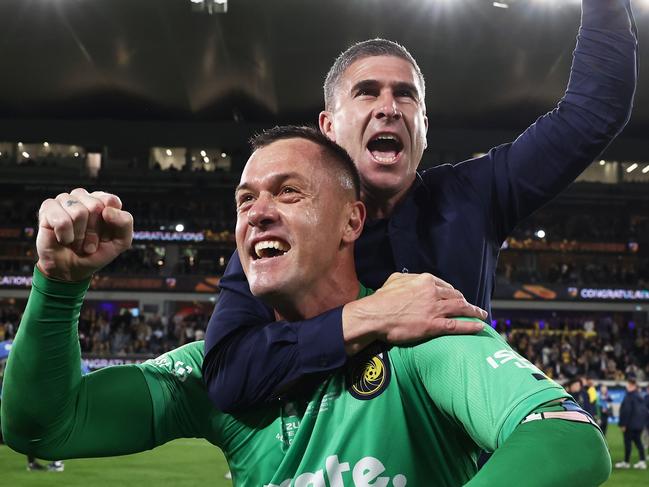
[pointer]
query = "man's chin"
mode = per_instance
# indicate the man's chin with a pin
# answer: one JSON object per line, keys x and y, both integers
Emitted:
{"x": 384, "y": 184}
{"x": 267, "y": 289}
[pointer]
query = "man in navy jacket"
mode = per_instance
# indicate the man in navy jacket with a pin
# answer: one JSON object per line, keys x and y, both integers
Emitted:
{"x": 448, "y": 222}
{"x": 633, "y": 419}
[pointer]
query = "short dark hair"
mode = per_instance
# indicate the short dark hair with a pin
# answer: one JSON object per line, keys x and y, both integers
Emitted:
{"x": 361, "y": 50}
{"x": 343, "y": 162}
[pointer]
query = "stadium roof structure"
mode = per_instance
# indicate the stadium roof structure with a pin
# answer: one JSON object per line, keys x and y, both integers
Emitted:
{"x": 264, "y": 61}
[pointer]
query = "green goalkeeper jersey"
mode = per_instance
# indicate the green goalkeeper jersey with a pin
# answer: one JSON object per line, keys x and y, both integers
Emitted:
{"x": 408, "y": 416}
{"x": 404, "y": 416}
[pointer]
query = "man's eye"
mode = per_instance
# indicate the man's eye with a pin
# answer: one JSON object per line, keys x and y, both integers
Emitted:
{"x": 364, "y": 92}
{"x": 288, "y": 190}
{"x": 405, "y": 94}
{"x": 246, "y": 198}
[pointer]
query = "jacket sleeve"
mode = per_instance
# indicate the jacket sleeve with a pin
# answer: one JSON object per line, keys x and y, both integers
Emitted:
{"x": 626, "y": 411}
{"x": 516, "y": 179}
{"x": 250, "y": 357}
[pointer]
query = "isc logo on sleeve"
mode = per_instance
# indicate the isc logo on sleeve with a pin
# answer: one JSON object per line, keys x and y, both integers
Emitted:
{"x": 501, "y": 357}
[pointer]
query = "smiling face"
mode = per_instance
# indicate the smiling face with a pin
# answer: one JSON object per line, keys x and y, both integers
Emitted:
{"x": 379, "y": 117}
{"x": 293, "y": 222}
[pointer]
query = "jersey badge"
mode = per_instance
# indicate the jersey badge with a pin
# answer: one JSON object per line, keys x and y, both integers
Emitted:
{"x": 368, "y": 377}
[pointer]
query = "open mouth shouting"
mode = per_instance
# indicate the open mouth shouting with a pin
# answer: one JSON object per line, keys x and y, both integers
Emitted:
{"x": 385, "y": 148}
{"x": 268, "y": 249}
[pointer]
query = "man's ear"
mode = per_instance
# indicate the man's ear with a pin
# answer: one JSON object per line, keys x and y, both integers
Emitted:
{"x": 426, "y": 138}
{"x": 325, "y": 121}
{"x": 355, "y": 220}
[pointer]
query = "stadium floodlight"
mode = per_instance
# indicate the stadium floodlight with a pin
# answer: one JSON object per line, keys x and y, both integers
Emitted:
{"x": 224, "y": 155}
{"x": 540, "y": 233}
{"x": 180, "y": 227}
{"x": 25, "y": 154}
{"x": 46, "y": 144}
{"x": 500, "y": 5}
{"x": 644, "y": 171}
{"x": 602, "y": 162}
{"x": 169, "y": 153}
{"x": 632, "y": 167}
{"x": 209, "y": 6}
{"x": 203, "y": 153}
{"x": 557, "y": 3}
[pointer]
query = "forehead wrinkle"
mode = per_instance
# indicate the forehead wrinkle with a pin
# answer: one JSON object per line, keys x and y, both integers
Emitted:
{"x": 272, "y": 179}
{"x": 418, "y": 81}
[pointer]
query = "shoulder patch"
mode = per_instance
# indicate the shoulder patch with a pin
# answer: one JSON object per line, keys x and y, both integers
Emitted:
{"x": 369, "y": 376}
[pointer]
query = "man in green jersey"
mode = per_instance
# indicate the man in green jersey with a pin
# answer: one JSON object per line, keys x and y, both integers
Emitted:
{"x": 415, "y": 415}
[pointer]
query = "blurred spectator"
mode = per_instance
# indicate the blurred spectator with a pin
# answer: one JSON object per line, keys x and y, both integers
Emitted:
{"x": 605, "y": 401}
{"x": 633, "y": 419}
{"x": 575, "y": 389}
{"x": 645, "y": 441}
{"x": 563, "y": 350}
{"x": 599, "y": 347}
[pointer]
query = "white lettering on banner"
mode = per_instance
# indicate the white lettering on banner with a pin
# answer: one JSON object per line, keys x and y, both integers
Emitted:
{"x": 501, "y": 357}
{"x": 364, "y": 474}
{"x": 22, "y": 281}
{"x": 615, "y": 294}
{"x": 169, "y": 236}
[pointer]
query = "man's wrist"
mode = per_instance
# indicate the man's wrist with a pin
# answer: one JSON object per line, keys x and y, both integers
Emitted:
{"x": 49, "y": 270}
{"x": 360, "y": 328}
{"x": 49, "y": 285}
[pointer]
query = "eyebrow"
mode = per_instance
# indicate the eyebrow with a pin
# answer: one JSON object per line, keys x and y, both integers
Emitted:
{"x": 275, "y": 179}
{"x": 398, "y": 85}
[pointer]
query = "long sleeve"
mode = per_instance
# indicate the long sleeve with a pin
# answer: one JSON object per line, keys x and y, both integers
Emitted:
{"x": 249, "y": 357}
{"x": 49, "y": 409}
{"x": 626, "y": 411}
{"x": 554, "y": 150}
{"x": 570, "y": 453}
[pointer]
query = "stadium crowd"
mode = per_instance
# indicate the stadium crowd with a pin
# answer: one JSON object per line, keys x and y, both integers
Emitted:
{"x": 567, "y": 270}
{"x": 593, "y": 226}
{"x": 214, "y": 212}
{"x": 604, "y": 347}
{"x": 600, "y": 347}
{"x": 121, "y": 333}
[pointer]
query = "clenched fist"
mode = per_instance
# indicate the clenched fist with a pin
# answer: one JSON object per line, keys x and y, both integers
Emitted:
{"x": 81, "y": 232}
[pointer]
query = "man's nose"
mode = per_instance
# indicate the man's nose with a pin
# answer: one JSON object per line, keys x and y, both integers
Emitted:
{"x": 263, "y": 211}
{"x": 387, "y": 107}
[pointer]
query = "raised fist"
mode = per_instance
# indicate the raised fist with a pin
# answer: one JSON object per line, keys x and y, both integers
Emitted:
{"x": 81, "y": 232}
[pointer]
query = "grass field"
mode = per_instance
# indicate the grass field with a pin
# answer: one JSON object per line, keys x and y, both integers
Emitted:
{"x": 185, "y": 463}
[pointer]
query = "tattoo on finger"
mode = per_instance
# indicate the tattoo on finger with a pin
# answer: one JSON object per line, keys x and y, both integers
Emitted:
{"x": 69, "y": 203}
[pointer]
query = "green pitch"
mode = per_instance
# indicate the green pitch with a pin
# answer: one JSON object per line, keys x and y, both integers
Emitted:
{"x": 181, "y": 463}
{"x": 185, "y": 463}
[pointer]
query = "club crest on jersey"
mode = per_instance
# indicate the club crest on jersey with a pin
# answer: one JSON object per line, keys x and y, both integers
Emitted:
{"x": 368, "y": 377}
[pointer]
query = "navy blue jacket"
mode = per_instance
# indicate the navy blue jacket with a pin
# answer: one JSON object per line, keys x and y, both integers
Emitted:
{"x": 633, "y": 411}
{"x": 451, "y": 223}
